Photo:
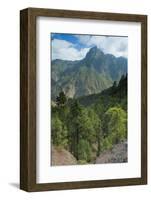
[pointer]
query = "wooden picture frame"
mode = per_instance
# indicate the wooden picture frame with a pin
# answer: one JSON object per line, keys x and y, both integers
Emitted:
{"x": 28, "y": 98}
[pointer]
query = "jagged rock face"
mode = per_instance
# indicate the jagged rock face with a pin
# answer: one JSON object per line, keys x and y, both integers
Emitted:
{"x": 91, "y": 75}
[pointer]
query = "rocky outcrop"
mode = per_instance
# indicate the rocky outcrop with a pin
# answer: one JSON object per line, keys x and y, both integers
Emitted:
{"x": 118, "y": 154}
{"x": 61, "y": 156}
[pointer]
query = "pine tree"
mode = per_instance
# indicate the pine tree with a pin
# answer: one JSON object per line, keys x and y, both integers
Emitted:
{"x": 59, "y": 132}
{"x": 73, "y": 126}
{"x": 114, "y": 84}
{"x": 61, "y": 99}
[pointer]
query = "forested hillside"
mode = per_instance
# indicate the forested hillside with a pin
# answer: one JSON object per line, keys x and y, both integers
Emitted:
{"x": 90, "y": 126}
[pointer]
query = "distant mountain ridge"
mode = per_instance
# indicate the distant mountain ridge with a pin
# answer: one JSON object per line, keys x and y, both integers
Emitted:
{"x": 91, "y": 75}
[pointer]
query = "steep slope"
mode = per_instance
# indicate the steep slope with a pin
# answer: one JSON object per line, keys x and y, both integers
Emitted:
{"x": 83, "y": 81}
{"x": 59, "y": 66}
{"x": 116, "y": 93}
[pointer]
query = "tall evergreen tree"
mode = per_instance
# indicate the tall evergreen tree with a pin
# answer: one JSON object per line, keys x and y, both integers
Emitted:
{"x": 73, "y": 126}
{"x": 61, "y": 99}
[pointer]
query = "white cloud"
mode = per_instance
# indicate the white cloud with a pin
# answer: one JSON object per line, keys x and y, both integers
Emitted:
{"x": 64, "y": 50}
{"x": 84, "y": 39}
{"x": 118, "y": 46}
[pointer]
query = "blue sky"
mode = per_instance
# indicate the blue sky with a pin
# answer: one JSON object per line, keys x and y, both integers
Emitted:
{"x": 75, "y": 47}
{"x": 72, "y": 38}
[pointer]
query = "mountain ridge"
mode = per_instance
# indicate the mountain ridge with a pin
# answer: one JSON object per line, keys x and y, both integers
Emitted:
{"x": 91, "y": 75}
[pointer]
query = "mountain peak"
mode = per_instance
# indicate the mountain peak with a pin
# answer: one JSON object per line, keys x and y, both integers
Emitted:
{"x": 93, "y": 54}
{"x": 94, "y": 51}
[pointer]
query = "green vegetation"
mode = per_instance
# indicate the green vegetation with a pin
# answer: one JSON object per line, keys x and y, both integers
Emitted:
{"x": 114, "y": 127}
{"x": 89, "y": 125}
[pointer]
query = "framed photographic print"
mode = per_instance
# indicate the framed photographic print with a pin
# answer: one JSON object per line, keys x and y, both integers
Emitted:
{"x": 83, "y": 93}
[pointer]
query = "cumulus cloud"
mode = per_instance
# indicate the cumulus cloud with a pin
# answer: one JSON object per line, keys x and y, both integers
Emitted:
{"x": 65, "y": 50}
{"x": 83, "y": 39}
{"x": 118, "y": 46}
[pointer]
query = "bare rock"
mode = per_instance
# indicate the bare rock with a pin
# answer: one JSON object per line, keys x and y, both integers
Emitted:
{"x": 61, "y": 156}
{"x": 118, "y": 154}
